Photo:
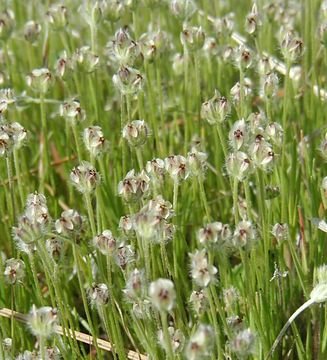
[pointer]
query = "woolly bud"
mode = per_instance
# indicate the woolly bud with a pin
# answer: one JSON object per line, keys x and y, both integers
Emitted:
{"x": 85, "y": 177}
{"x": 94, "y": 140}
{"x": 105, "y": 242}
{"x": 14, "y": 271}
{"x": 128, "y": 81}
{"x": 57, "y": 17}
{"x": 136, "y": 133}
{"x": 42, "y": 321}
{"x": 162, "y": 294}
{"x": 40, "y": 80}
{"x": 201, "y": 343}
{"x": 72, "y": 112}
{"x": 99, "y": 294}
{"x": 192, "y": 38}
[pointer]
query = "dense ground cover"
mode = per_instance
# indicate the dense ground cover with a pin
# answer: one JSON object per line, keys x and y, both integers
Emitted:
{"x": 162, "y": 179}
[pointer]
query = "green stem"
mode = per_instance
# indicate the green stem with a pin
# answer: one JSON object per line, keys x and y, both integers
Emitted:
{"x": 169, "y": 349}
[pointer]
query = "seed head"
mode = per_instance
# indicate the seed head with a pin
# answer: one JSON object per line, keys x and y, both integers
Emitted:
{"x": 42, "y": 321}
{"x": 128, "y": 81}
{"x": 57, "y": 17}
{"x": 135, "y": 286}
{"x": 64, "y": 66}
{"x": 243, "y": 58}
{"x": 85, "y": 177}
{"x": 7, "y": 24}
{"x": 262, "y": 155}
{"x": 201, "y": 343}
{"x": 197, "y": 161}
{"x": 40, "y": 80}
{"x": 177, "y": 167}
{"x": 199, "y": 301}
{"x": 183, "y": 9}
{"x": 155, "y": 168}
{"x": 177, "y": 339}
{"x": 72, "y": 112}
{"x": 235, "y": 91}
{"x": 252, "y": 21}
{"x": 84, "y": 60}
{"x": 134, "y": 186}
{"x": 243, "y": 343}
{"x": 244, "y": 235}
{"x": 270, "y": 85}
{"x": 178, "y": 63}
{"x": 136, "y": 133}
{"x": 238, "y": 165}
{"x": 94, "y": 140}
{"x": 162, "y": 294}
{"x": 231, "y": 297}
{"x": 153, "y": 44}
{"x": 69, "y": 222}
{"x": 238, "y": 135}
{"x": 105, "y": 242}
{"x": 215, "y": 110}
{"x": 123, "y": 50}
{"x": 125, "y": 255}
{"x": 55, "y": 247}
{"x": 32, "y": 31}
{"x": 7, "y": 97}
{"x": 201, "y": 271}
{"x": 266, "y": 65}
{"x": 192, "y": 38}
{"x": 280, "y": 232}
{"x": 14, "y": 271}
{"x": 292, "y": 46}
{"x": 99, "y": 294}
